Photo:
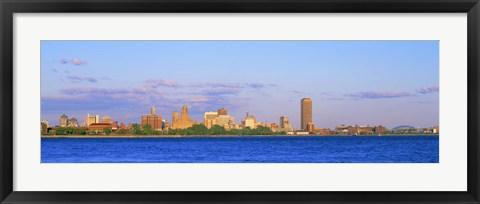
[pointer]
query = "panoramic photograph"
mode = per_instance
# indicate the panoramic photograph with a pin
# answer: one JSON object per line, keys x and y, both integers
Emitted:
{"x": 239, "y": 101}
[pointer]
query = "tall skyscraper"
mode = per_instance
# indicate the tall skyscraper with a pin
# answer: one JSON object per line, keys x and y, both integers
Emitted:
{"x": 63, "y": 121}
{"x": 305, "y": 113}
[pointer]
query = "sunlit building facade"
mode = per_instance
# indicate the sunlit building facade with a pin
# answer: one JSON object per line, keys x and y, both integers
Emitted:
{"x": 305, "y": 113}
{"x": 92, "y": 119}
{"x": 183, "y": 121}
{"x": 63, "y": 122}
{"x": 72, "y": 122}
{"x": 154, "y": 120}
{"x": 210, "y": 119}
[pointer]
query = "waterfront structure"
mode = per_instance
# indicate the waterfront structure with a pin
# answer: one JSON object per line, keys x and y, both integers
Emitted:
{"x": 91, "y": 119}
{"x": 273, "y": 127}
{"x": 379, "y": 129}
{"x": 210, "y": 119}
{"x": 222, "y": 111}
{"x": 72, "y": 122}
{"x": 359, "y": 130}
{"x": 44, "y": 122}
{"x": 284, "y": 125}
{"x": 324, "y": 131}
{"x": 220, "y": 118}
{"x": 99, "y": 127}
{"x": 123, "y": 126}
{"x": 114, "y": 125}
{"x": 405, "y": 129}
{"x": 183, "y": 121}
{"x": 166, "y": 125}
{"x": 225, "y": 121}
{"x": 63, "y": 122}
{"x": 310, "y": 127}
{"x": 250, "y": 121}
{"x": 305, "y": 113}
{"x": 155, "y": 121}
{"x": 43, "y": 127}
{"x": 302, "y": 133}
{"x": 431, "y": 130}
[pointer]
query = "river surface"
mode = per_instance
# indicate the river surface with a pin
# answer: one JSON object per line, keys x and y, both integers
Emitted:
{"x": 245, "y": 149}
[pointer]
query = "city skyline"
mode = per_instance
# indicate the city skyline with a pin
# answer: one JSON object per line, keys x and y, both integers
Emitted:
{"x": 351, "y": 82}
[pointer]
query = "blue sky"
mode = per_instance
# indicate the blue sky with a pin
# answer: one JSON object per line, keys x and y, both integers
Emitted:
{"x": 350, "y": 82}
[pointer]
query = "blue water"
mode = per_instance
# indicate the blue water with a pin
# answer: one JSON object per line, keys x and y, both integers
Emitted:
{"x": 249, "y": 149}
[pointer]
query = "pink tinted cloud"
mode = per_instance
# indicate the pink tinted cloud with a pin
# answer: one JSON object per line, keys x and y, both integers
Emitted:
{"x": 197, "y": 99}
{"x": 74, "y": 61}
{"x": 228, "y": 85}
{"x": 214, "y": 92}
{"x": 379, "y": 94}
{"x": 80, "y": 79}
{"x": 154, "y": 83}
{"x": 427, "y": 89}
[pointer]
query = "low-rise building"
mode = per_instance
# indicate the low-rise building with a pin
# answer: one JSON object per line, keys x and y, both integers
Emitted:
{"x": 302, "y": 132}
{"x": 99, "y": 127}
{"x": 359, "y": 130}
{"x": 310, "y": 127}
{"x": 250, "y": 121}
{"x": 63, "y": 122}
{"x": 72, "y": 122}
{"x": 210, "y": 119}
{"x": 405, "y": 129}
{"x": 114, "y": 125}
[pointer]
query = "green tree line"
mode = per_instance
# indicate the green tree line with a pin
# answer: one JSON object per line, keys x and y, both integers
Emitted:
{"x": 196, "y": 129}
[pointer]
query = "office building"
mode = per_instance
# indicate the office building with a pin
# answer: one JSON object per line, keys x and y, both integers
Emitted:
{"x": 114, "y": 125}
{"x": 250, "y": 121}
{"x": 155, "y": 121}
{"x": 226, "y": 121}
{"x": 72, "y": 122}
{"x": 310, "y": 127}
{"x": 63, "y": 122}
{"x": 183, "y": 121}
{"x": 105, "y": 119}
{"x": 284, "y": 123}
{"x": 99, "y": 127}
{"x": 210, "y": 119}
{"x": 45, "y": 122}
{"x": 92, "y": 119}
{"x": 305, "y": 112}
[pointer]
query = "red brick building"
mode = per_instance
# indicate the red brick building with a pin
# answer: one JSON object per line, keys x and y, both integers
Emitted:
{"x": 98, "y": 127}
{"x": 155, "y": 121}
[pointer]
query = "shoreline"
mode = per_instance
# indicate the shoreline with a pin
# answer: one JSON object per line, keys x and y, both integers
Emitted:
{"x": 200, "y": 136}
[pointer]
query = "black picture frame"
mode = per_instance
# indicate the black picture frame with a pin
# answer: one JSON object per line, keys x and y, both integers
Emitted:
{"x": 10, "y": 7}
